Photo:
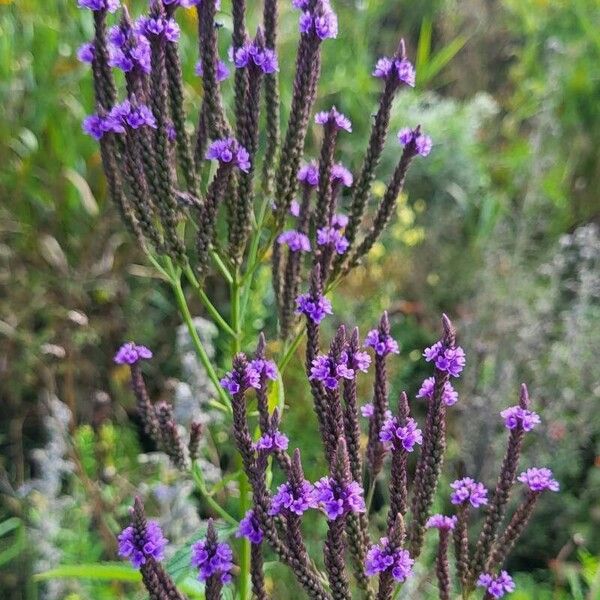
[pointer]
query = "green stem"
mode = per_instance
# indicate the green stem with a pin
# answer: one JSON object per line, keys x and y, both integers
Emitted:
{"x": 222, "y": 267}
{"x": 207, "y": 497}
{"x": 291, "y": 350}
{"x": 214, "y": 313}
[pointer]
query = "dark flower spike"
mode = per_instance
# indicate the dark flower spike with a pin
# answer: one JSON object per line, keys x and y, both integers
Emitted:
{"x": 431, "y": 459}
{"x": 196, "y": 431}
{"x": 518, "y": 420}
{"x": 444, "y": 525}
{"x": 172, "y": 443}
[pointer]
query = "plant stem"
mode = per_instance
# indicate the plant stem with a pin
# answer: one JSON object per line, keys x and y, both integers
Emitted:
{"x": 207, "y": 497}
{"x": 291, "y": 350}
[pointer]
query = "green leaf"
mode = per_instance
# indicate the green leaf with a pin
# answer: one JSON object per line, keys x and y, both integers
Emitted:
{"x": 9, "y": 525}
{"x": 98, "y": 571}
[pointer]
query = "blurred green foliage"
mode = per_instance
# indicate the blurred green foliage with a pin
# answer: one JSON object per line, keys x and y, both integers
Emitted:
{"x": 509, "y": 92}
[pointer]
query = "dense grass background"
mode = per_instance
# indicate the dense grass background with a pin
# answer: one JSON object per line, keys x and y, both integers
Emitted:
{"x": 498, "y": 227}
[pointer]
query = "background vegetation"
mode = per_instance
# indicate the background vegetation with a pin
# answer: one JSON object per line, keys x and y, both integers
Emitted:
{"x": 499, "y": 227}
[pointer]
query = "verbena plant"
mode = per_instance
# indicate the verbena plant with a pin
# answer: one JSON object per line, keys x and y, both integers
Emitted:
{"x": 240, "y": 191}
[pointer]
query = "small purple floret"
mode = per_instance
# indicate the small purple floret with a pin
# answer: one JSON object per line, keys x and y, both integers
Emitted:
{"x": 272, "y": 441}
{"x": 314, "y": 309}
{"x": 108, "y": 5}
{"x": 496, "y": 585}
{"x": 252, "y": 54}
{"x": 340, "y": 174}
{"x": 516, "y": 416}
{"x": 539, "y": 479}
{"x": 295, "y": 240}
{"x": 335, "y": 500}
{"x": 329, "y": 373}
{"x": 335, "y": 118}
{"x": 381, "y": 558}
{"x": 139, "y": 550}
{"x": 131, "y": 353}
{"x": 449, "y": 394}
{"x": 309, "y": 174}
{"x": 234, "y": 383}
{"x": 400, "y": 437}
{"x": 222, "y": 70}
{"x": 212, "y": 561}
{"x": 285, "y": 499}
{"x": 441, "y": 522}
{"x": 229, "y": 151}
{"x": 450, "y": 360}
{"x": 250, "y": 528}
{"x": 333, "y": 237}
{"x": 382, "y": 344}
{"x": 421, "y": 141}
{"x": 86, "y": 53}
{"x": 468, "y": 490}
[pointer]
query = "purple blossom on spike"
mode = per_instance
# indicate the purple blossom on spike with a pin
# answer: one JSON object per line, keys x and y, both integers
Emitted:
{"x": 449, "y": 394}
{"x": 441, "y": 522}
{"x": 337, "y": 500}
{"x": 212, "y": 561}
{"x": 339, "y": 221}
{"x": 235, "y": 384}
{"x": 325, "y": 370}
{"x": 324, "y": 25}
{"x": 315, "y": 310}
{"x": 250, "y": 528}
{"x": 335, "y": 118}
{"x": 330, "y": 236}
{"x": 468, "y": 490}
{"x": 383, "y": 67}
{"x": 158, "y": 26}
{"x": 295, "y": 208}
{"x": 117, "y": 36}
{"x": 300, "y": 4}
{"x": 357, "y": 361}
{"x": 381, "y": 557}
{"x": 136, "y": 56}
{"x": 108, "y": 5}
{"x": 94, "y": 126}
{"x": 295, "y": 240}
{"x": 138, "y": 550}
{"x": 422, "y": 142}
{"x": 393, "y": 435}
{"x": 286, "y": 500}
{"x": 367, "y": 410}
{"x": 86, "y": 52}
{"x": 406, "y": 73}
{"x": 272, "y": 441}
{"x": 339, "y": 174}
{"x": 451, "y": 360}
{"x": 222, "y": 70}
{"x": 251, "y": 53}
{"x": 539, "y": 479}
{"x": 496, "y": 585}
{"x": 131, "y": 353}
{"x": 264, "y": 367}
{"x": 383, "y": 345}
{"x": 516, "y": 415}
{"x": 309, "y": 174}
{"x": 229, "y": 151}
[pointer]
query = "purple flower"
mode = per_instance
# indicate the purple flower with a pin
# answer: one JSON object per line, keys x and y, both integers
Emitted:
{"x": 314, "y": 309}
{"x": 138, "y": 550}
{"x": 295, "y": 240}
{"x": 117, "y": 36}
{"x": 264, "y": 367}
{"x": 381, "y": 558}
{"x": 402, "y": 68}
{"x": 130, "y": 354}
{"x": 335, "y": 118}
{"x": 421, "y": 141}
{"x": 109, "y": 5}
{"x": 337, "y": 500}
{"x": 249, "y": 528}
{"x": 159, "y": 26}
{"x": 253, "y": 54}
{"x": 383, "y": 67}
{"x": 451, "y": 360}
{"x": 131, "y": 115}
{"x": 136, "y": 56}
{"x": 325, "y": 370}
{"x": 367, "y": 410}
{"x": 467, "y": 489}
{"x": 339, "y": 221}
{"x": 539, "y": 479}
{"x": 516, "y": 416}
{"x": 86, "y": 53}
{"x": 339, "y": 174}
{"x": 272, "y": 441}
{"x": 324, "y": 25}
{"x": 330, "y": 236}
{"x": 441, "y": 522}
{"x": 235, "y": 383}
{"x": 217, "y": 560}
{"x": 449, "y": 394}
{"x": 222, "y": 70}
{"x": 357, "y": 361}
{"x": 406, "y": 73}
{"x": 496, "y": 586}
{"x": 301, "y": 4}
{"x": 94, "y": 126}
{"x": 295, "y": 208}
{"x": 400, "y": 438}
{"x": 287, "y": 499}
{"x": 228, "y": 151}
{"x": 383, "y": 345}
{"x": 309, "y": 174}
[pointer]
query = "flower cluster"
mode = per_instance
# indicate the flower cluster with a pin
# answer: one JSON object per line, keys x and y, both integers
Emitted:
{"x": 252, "y": 53}
{"x": 272, "y": 441}
{"x": 229, "y": 151}
{"x": 324, "y": 24}
{"x": 265, "y": 368}
{"x": 128, "y": 50}
{"x": 368, "y": 410}
{"x": 222, "y": 71}
{"x": 450, "y": 360}
{"x": 212, "y": 560}
{"x": 295, "y": 240}
{"x": 468, "y": 490}
{"x": 334, "y": 118}
{"x": 288, "y": 499}
{"x": 421, "y": 141}
{"x": 329, "y": 372}
{"x": 108, "y": 5}
{"x": 250, "y": 528}
{"x": 337, "y": 500}
{"x": 309, "y": 174}
{"x": 137, "y": 549}
{"x": 399, "y": 437}
{"x": 449, "y": 394}
{"x": 400, "y": 67}
{"x": 357, "y": 361}
{"x": 340, "y": 174}
{"x": 496, "y": 585}
{"x": 86, "y": 53}
{"x": 314, "y": 309}
{"x": 131, "y": 353}
{"x": 159, "y": 26}
{"x": 234, "y": 382}
{"x": 539, "y": 479}
{"x": 382, "y": 557}
{"x": 121, "y": 116}
{"x": 333, "y": 237}
{"x": 382, "y": 344}
{"x": 517, "y": 416}
{"x": 441, "y": 522}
